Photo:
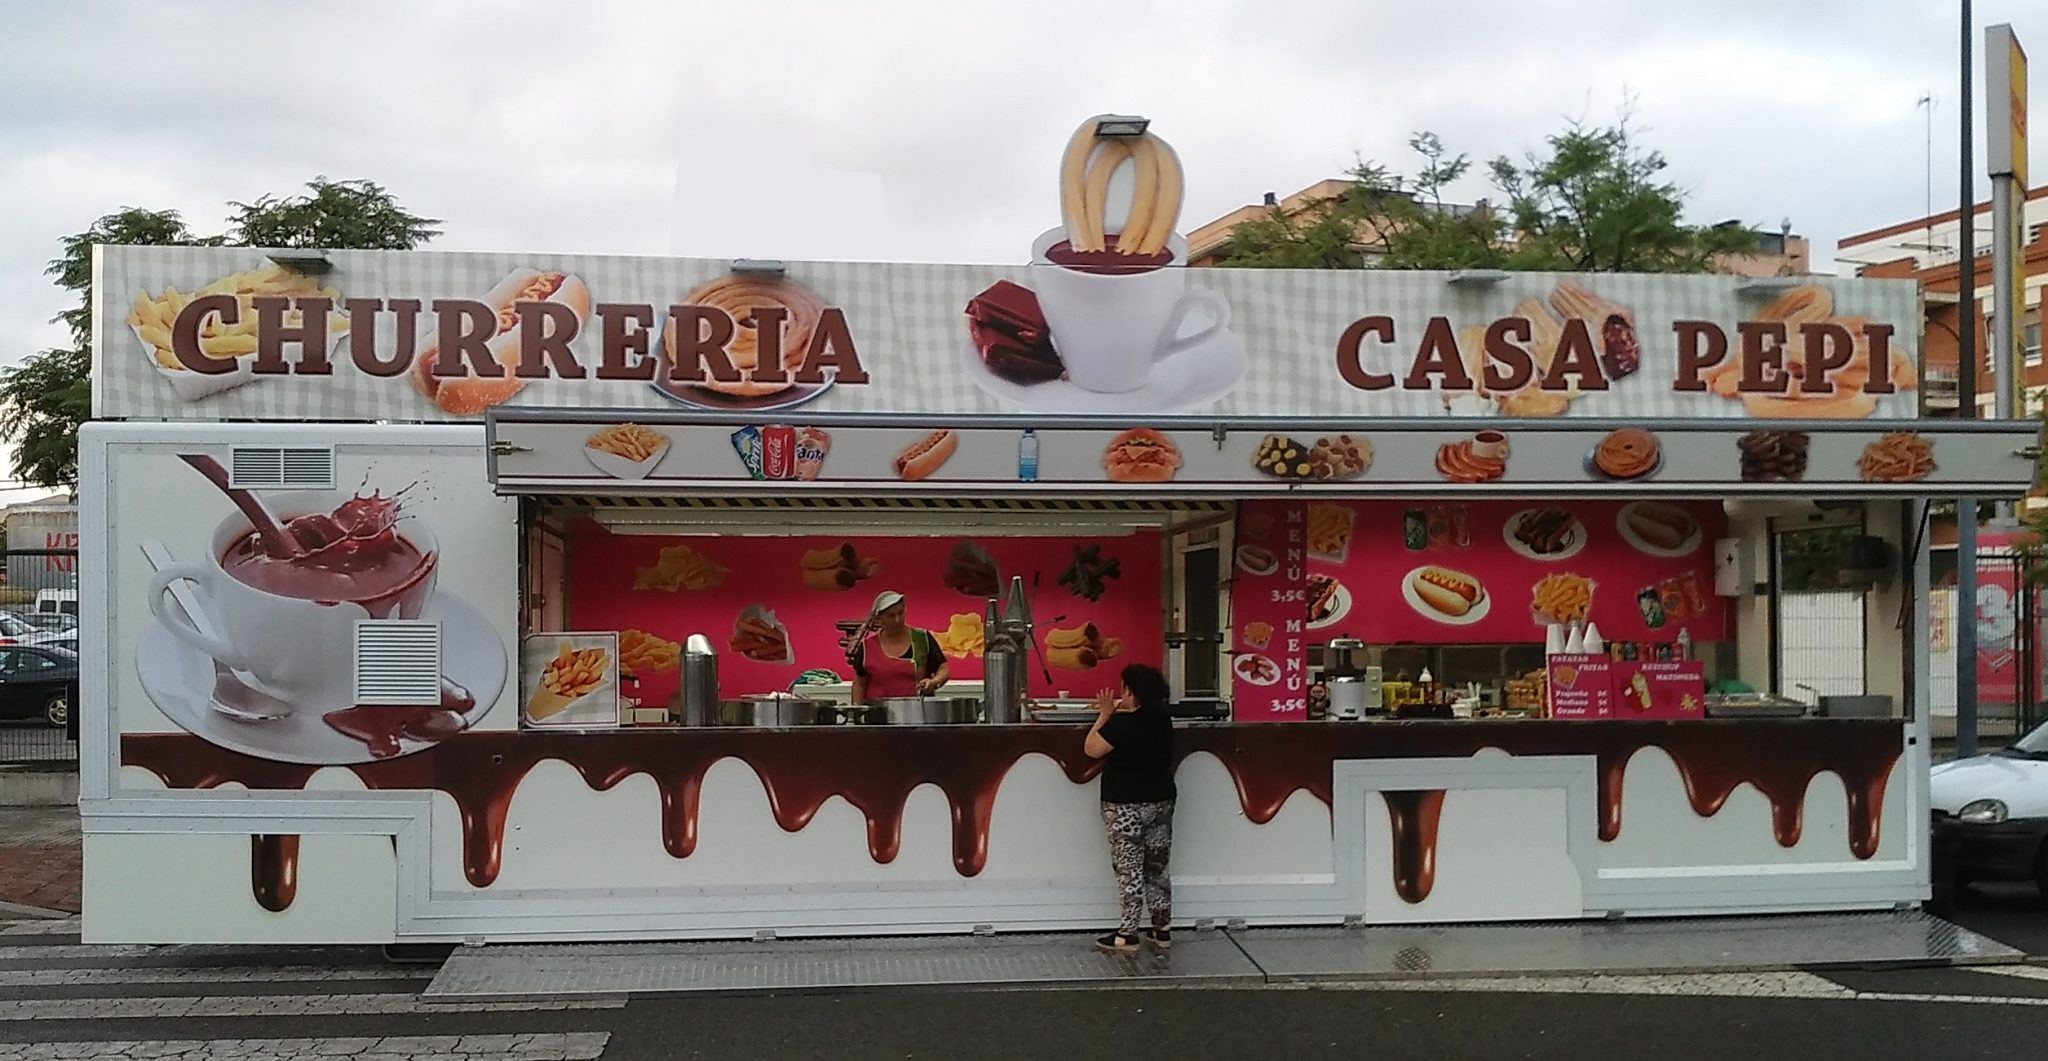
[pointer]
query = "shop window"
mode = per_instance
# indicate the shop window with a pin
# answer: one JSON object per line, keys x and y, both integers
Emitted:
{"x": 1818, "y": 615}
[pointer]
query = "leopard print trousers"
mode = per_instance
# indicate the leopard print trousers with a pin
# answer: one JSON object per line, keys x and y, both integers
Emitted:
{"x": 1140, "y": 842}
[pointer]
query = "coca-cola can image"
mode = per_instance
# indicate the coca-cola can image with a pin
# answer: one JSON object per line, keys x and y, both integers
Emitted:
{"x": 778, "y": 451}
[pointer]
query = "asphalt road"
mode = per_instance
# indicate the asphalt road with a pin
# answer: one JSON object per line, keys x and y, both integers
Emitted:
{"x": 2013, "y": 914}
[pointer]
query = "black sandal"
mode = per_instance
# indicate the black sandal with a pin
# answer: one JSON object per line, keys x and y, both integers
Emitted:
{"x": 1161, "y": 938}
{"x": 1116, "y": 943}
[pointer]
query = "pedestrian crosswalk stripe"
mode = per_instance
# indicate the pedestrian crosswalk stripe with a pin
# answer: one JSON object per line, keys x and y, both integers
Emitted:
{"x": 184, "y": 1008}
{"x": 553, "y": 1046}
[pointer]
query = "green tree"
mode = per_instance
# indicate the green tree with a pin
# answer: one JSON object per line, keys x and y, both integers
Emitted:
{"x": 49, "y": 393}
{"x": 1592, "y": 201}
{"x": 45, "y": 397}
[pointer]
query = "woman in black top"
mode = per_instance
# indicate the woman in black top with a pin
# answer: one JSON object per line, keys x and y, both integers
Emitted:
{"x": 1133, "y": 735}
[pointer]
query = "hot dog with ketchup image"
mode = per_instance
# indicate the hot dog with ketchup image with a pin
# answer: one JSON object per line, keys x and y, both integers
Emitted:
{"x": 926, "y": 455}
{"x": 466, "y": 393}
{"x": 1452, "y": 593}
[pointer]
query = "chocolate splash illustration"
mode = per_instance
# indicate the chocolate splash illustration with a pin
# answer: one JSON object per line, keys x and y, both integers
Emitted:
{"x": 875, "y": 770}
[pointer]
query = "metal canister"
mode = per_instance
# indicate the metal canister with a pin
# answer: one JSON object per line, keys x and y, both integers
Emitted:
{"x": 700, "y": 680}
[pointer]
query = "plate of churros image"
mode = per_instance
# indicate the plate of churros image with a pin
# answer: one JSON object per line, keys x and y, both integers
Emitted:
{"x": 626, "y": 451}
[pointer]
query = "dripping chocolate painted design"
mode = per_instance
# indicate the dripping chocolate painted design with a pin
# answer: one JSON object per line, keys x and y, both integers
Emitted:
{"x": 1413, "y": 816}
{"x": 274, "y": 871}
{"x": 875, "y": 770}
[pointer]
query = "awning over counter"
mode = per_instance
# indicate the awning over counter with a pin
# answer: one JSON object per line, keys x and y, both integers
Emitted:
{"x": 1118, "y": 463}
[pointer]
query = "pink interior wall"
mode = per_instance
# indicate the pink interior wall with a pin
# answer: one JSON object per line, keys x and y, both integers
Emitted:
{"x": 767, "y": 571}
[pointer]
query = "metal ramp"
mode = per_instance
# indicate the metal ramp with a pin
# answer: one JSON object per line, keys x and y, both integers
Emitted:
{"x": 1215, "y": 958}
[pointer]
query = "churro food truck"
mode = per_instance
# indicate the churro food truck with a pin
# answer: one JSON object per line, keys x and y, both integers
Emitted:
{"x": 436, "y": 596}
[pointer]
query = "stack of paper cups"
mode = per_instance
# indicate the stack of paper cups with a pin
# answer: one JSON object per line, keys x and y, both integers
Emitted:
{"x": 1576, "y": 643}
{"x": 1553, "y": 639}
{"x": 1594, "y": 646}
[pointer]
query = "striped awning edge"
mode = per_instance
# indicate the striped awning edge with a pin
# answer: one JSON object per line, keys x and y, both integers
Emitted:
{"x": 872, "y": 504}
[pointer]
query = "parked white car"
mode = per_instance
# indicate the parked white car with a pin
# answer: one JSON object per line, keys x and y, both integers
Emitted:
{"x": 1991, "y": 813}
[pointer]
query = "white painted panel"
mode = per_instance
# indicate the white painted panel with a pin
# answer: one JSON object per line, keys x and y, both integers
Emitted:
{"x": 194, "y": 888}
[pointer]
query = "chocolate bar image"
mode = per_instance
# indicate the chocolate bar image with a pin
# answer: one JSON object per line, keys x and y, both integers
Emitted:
{"x": 1009, "y": 330}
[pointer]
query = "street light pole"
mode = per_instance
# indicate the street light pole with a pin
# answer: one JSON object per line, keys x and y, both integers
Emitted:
{"x": 1966, "y": 395}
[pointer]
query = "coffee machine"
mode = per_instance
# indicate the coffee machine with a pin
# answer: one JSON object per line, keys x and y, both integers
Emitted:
{"x": 1354, "y": 686}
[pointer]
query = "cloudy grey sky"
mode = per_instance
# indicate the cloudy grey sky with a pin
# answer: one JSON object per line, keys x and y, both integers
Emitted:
{"x": 920, "y": 129}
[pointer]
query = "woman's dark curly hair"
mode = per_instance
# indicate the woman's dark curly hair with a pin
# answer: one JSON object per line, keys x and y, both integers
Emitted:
{"x": 1148, "y": 687}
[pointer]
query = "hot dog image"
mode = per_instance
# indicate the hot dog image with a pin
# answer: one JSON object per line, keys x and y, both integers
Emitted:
{"x": 1453, "y": 593}
{"x": 1141, "y": 455}
{"x": 467, "y": 394}
{"x": 926, "y": 455}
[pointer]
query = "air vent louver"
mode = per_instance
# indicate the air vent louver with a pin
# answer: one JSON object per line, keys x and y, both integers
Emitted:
{"x": 282, "y": 468}
{"x": 397, "y": 662}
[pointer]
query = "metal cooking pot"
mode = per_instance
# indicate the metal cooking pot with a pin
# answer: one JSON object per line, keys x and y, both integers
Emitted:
{"x": 924, "y": 711}
{"x": 774, "y": 711}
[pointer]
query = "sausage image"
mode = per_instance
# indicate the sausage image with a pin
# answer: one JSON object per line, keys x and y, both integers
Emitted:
{"x": 1450, "y": 592}
{"x": 926, "y": 455}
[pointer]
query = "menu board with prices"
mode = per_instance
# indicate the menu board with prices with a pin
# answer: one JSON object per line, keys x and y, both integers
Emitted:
{"x": 1269, "y": 605}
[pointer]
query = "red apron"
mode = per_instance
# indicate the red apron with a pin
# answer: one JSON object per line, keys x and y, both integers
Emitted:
{"x": 887, "y": 675}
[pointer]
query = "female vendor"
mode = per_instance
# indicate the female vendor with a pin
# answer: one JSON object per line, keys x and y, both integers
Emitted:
{"x": 895, "y": 658}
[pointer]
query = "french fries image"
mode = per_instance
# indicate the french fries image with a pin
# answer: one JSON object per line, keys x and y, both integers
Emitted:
{"x": 629, "y": 441}
{"x": 1562, "y": 597}
{"x": 572, "y": 675}
{"x": 679, "y": 567}
{"x": 152, "y": 316}
{"x": 1897, "y": 457}
{"x": 964, "y": 637}
{"x": 643, "y": 653}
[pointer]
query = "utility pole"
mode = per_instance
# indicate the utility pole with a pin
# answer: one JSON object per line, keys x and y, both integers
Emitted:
{"x": 1966, "y": 395}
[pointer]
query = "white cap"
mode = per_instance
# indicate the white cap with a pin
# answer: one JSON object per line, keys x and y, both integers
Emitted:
{"x": 884, "y": 601}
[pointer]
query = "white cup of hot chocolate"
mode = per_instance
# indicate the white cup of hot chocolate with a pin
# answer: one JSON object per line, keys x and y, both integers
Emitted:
{"x": 1491, "y": 445}
{"x": 1113, "y": 318}
{"x": 292, "y": 628}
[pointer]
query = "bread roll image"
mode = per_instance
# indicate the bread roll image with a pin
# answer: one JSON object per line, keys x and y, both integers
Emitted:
{"x": 1453, "y": 593}
{"x": 1080, "y": 657}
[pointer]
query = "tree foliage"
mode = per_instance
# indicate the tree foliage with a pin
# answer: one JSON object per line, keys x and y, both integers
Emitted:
{"x": 1593, "y": 200}
{"x": 45, "y": 397}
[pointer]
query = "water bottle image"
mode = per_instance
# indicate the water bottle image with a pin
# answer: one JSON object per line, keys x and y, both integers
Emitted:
{"x": 1027, "y": 456}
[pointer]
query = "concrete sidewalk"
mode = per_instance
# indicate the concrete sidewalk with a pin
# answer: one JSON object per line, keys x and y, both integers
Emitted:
{"x": 1213, "y": 958}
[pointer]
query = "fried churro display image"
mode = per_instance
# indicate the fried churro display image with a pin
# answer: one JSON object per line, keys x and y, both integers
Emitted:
{"x": 679, "y": 568}
{"x": 571, "y": 679}
{"x": 1086, "y": 168}
{"x": 642, "y": 653}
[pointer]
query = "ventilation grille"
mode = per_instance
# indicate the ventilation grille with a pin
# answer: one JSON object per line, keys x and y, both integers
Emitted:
{"x": 282, "y": 468}
{"x": 397, "y": 662}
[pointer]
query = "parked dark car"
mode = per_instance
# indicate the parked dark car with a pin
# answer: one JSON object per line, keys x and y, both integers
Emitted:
{"x": 37, "y": 682}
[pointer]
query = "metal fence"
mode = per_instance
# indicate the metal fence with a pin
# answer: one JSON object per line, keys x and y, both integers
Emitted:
{"x": 38, "y": 659}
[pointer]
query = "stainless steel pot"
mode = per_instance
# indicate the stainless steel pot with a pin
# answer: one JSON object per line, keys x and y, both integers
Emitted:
{"x": 924, "y": 711}
{"x": 774, "y": 712}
